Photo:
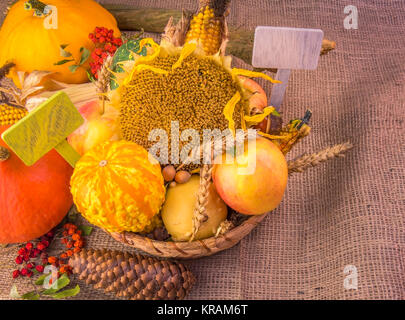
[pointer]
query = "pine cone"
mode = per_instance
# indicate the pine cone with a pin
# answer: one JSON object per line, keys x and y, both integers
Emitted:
{"x": 132, "y": 276}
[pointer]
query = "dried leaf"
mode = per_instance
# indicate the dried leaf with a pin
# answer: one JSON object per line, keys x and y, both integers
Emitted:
{"x": 34, "y": 102}
{"x": 34, "y": 79}
{"x": 63, "y": 52}
{"x": 25, "y": 93}
{"x": 14, "y": 293}
{"x": 21, "y": 76}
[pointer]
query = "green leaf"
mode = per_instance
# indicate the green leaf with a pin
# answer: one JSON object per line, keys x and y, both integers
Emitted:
{"x": 85, "y": 55}
{"x": 67, "y": 293}
{"x": 124, "y": 53}
{"x": 62, "y": 282}
{"x": 33, "y": 295}
{"x": 86, "y": 230}
{"x": 41, "y": 279}
{"x": 73, "y": 68}
{"x": 275, "y": 113}
{"x": 64, "y": 46}
{"x": 14, "y": 292}
{"x": 62, "y": 62}
{"x": 90, "y": 76}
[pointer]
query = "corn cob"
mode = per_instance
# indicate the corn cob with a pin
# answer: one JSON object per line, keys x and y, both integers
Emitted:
{"x": 205, "y": 27}
{"x": 10, "y": 115}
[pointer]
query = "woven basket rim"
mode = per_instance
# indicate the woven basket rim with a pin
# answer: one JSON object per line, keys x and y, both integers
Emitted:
{"x": 193, "y": 249}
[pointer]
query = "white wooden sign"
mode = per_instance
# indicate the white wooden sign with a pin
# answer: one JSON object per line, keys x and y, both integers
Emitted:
{"x": 285, "y": 49}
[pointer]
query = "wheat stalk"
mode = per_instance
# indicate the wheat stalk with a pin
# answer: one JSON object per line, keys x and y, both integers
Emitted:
{"x": 306, "y": 161}
{"x": 224, "y": 227}
{"x": 200, "y": 214}
{"x": 103, "y": 81}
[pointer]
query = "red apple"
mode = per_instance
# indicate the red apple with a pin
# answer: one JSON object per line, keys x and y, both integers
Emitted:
{"x": 258, "y": 191}
{"x": 257, "y": 101}
{"x": 97, "y": 127}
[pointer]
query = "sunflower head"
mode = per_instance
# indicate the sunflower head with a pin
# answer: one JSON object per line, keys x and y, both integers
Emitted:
{"x": 178, "y": 84}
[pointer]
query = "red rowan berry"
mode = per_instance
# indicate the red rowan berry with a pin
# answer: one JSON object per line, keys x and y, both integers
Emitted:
{"x": 40, "y": 268}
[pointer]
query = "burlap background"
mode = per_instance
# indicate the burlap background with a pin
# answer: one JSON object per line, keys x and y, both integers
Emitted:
{"x": 346, "y": 212}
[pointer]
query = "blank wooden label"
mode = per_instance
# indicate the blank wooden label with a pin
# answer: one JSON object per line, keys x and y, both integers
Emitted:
{"x": 43, "y": 129}
{"x": 286, "y": 48}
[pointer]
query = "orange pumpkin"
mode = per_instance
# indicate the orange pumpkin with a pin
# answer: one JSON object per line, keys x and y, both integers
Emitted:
{"x": 118, "y": 187}
{"x": 32, "y": 43}
{"x": 33, "y": 200}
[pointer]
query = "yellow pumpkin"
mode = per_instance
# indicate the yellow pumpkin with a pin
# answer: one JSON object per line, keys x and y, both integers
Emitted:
{"x": 117, "y": 187}
{"x": 32, "y": 42}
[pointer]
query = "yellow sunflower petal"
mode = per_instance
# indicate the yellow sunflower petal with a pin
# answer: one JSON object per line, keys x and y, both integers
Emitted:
{"x": 229, "y": 109}
{"x": 188, "y": 49}
{"x": 149, "y": 57}
{"x": 243, "y": 122}
{"x": 143, "y": 67}
{"x": 270, "y": 136}
{"x": 260, "y": 117}
{"x": 252, "y": 74}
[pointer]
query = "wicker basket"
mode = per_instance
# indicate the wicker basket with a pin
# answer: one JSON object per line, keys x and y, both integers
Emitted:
{"x": 202, "y": 248}
{"x": 189, "y": 250}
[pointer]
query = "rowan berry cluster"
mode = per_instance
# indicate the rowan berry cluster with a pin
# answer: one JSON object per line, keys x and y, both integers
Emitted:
{"x": 27, "y": 253}
{"x": 106, "y": 45}
{"x": 74, "y": 242}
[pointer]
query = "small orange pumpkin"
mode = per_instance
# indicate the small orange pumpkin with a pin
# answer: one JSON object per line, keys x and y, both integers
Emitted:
{"x": 33, "y": 42}
{"x": 33, "y": 200}
{"x": 118, "y": 187}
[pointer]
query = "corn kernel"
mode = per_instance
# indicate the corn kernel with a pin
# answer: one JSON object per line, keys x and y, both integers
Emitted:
{"x": 10, "y": 115}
